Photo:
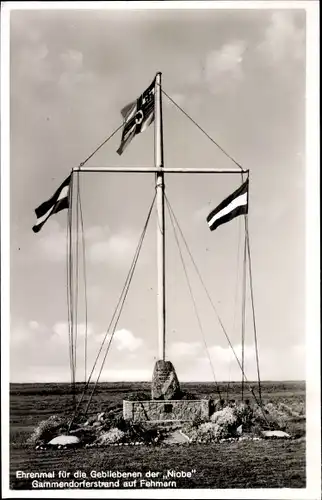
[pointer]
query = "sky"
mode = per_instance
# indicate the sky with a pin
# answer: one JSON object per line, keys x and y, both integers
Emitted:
{"x": 240, "y": 74}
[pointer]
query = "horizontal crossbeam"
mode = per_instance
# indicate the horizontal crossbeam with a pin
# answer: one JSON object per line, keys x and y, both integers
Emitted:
{"x": 144, "y": 170}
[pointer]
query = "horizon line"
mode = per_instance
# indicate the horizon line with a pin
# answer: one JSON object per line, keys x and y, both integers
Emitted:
{"x": 149, "y": 381}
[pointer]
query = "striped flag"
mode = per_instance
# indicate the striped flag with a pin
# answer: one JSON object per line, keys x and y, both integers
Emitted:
{"x": 137, "y": 116}
{"x": 59, "y": 201}
{"x": 236, "y": 204}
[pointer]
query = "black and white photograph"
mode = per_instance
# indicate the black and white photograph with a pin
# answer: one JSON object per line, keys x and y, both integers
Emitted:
{"x": 160, "y": 250}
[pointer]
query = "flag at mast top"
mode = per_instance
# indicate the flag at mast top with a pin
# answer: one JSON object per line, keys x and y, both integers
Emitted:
{"x": 138, "y": 115}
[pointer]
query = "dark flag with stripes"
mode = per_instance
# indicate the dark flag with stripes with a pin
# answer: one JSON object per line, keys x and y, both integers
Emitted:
{"x": 59, "y": 201}
{"x": 137, "y": 116}
{"x": 234, "y": 205}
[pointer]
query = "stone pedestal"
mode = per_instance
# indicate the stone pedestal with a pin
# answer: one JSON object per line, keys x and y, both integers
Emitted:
{"x": 158, "y": 411}
{"x": 165, "y": 383}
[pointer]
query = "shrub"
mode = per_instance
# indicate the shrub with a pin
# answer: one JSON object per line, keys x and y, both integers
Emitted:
{"x": 151, "y": 434}
{"x": 244, "y": 415}
{"x": 48, "y": 429}
{"x": 225, "y": 416}
{"x": 288, "y": 411}
{"x": 209, "y": 432}
{"x": 269, "y": 417}
{"x": 110, "y": 437}
{"x": 113, "y": 419}
{"x": 276, "y": 417}
{"x": 144, "y": 432}
{"x": 197, "y": 421}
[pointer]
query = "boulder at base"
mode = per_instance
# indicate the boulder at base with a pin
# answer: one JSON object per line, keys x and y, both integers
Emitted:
{"x": 64, "y": 441}
{"x": 165, "y": 383}
{"x": 176, "y": 437}
{"x": 277, "y": 434}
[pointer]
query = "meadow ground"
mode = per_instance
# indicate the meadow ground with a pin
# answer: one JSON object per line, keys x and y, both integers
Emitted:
{"x": 244, "y": 464}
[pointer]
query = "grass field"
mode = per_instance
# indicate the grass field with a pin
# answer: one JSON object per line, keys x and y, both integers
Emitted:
{"x": 246, "y": 464}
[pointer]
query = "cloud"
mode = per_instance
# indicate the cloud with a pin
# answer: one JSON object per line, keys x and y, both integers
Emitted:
{"x": 49, "y": 361}
{"x": 72, "y": 60}
{"x": 184, "y": 349}
{"x": 34, "y": 65}
{"x": 283, "y": 40}
{"x": 224, "y": 66}
{"x": 192, "y": 362}
{"x": 53, "y": 244}
{"x": 126, "y": 341}
{"x": 101, "y": 245}
{"x": 225, "y": 355}
{"x": 98, "y": 233}
{"x": 118, "y": 249}
{"x": 33, "y": 325}
{"x": 61, "y": 331}
{"x": 73, "y": 73}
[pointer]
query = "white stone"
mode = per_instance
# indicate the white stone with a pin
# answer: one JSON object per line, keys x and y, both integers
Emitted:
{"x": 278, "y": 434}
{"x": 64, "y": 440}
{"x": 240, "y": 429}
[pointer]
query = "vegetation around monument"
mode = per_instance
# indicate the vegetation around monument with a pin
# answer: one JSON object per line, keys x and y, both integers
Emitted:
{"x": 257, "y": 462}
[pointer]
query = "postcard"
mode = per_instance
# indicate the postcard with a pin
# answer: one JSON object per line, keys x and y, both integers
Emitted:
{"x": 160, "y": 250}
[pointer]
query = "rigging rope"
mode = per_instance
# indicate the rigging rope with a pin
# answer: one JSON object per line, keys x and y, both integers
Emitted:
{"x": 247, "y": 242}
{"x": 70, "y": 301}
{"x": 253, "y": 311}
{"x": 119, "y": 304}
{"x": 101, "y": 145}
{"x": 192, "y": 298}
{"x": 85, "y": 288}
{"x": 76, "y": 271}
{"x": 202, "y": 130}
{"x": 236, "y": 296}
{"x": 70, "y": 270}
{"x": 243, "y": 315}
{"x": 80, "y": 224}
{"x": 218, "y": 317}
{"x": 126, "y": 290}
{"x": 244, "y": 300}
{"x": 68, "y": 293}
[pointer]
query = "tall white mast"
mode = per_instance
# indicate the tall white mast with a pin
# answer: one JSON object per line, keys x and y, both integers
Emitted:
{"x": 158, "y": 159}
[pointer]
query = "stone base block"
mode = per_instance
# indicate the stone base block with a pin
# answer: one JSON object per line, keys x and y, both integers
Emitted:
{"x": 165, "y": 410}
